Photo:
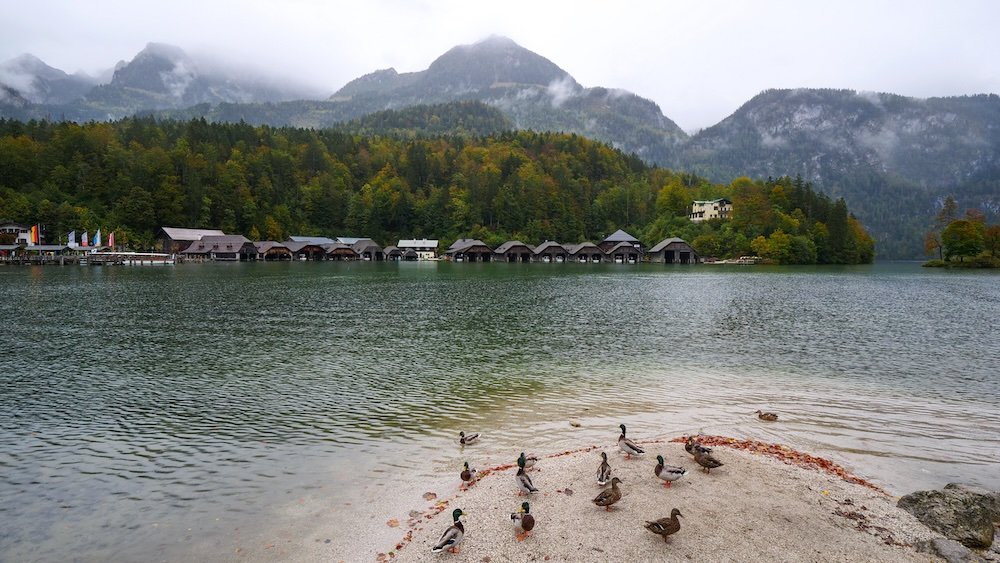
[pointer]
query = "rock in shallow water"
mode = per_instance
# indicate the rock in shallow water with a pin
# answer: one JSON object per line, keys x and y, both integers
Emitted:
{"x": 964, "y": 514}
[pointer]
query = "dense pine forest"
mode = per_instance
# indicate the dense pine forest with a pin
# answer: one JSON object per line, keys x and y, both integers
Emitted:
{"x": 135, "y": 175}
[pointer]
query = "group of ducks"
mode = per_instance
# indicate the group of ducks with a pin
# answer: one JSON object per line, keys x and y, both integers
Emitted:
{"x": 524, "y": 521}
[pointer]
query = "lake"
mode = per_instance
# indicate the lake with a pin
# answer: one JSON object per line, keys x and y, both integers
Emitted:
{"x": 206, "y": 412}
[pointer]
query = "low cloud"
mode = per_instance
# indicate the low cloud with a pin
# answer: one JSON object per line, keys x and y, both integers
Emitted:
{"x": 177, "y": 80}
{"x": 561, "y": 90}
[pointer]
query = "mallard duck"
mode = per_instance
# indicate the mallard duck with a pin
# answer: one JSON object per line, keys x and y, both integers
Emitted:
{"x": 604, "y": 471}
{"x": 529, "y": 460}
{"x": 466, "y": 439}
{"x": 607, "y": 497}
{"x": 468, "y": 476}
{"x": 628, "y": 446}
{"x": 706, "y": 461}
{"x": 669, "y": 473}
{"x": 768, "y": 416}
{"x": 691, "y": 446}
{"x": 523, "y": 481}
{"x": 523, "y": 521}
{"x": 453, "y": 535}
{"x": 666, "y": 526}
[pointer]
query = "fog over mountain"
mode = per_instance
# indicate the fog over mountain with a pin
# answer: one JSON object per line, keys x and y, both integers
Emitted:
{"x": 892, "y": 157}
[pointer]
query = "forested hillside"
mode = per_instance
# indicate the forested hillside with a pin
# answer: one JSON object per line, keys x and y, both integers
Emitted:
{"x": 135, "y": 175}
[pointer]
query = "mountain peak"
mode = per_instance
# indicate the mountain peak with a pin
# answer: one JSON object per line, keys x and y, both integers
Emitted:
{"x": 162, "y": 51}
{"x": 495, "y": 60}
{"x": 496, "y": 42}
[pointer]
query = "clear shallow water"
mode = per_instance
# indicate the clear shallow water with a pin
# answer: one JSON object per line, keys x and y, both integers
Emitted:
{"x": 184, "y": 413}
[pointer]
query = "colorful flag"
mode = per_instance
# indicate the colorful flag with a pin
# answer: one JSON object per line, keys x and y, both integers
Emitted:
{"x": 111, "y": 240}
{"x": 34, "y": 235}
{"x": 97, "y": 238}
{"x": 84, "y": 239}
{"x": 71, "y": 239}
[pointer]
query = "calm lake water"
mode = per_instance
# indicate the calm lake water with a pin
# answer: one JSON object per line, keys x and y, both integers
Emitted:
{"x": 212, "y": 412}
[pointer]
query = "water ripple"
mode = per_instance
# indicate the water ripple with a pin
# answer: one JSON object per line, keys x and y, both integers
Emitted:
{"x": 134, "y": 401}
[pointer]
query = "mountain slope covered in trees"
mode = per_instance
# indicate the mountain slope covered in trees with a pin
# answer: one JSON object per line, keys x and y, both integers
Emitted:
{"x": 136, "y": 175}
{"x": 893, "y": 158}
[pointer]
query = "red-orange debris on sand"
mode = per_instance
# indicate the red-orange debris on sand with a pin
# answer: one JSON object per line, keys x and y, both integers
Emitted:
{"x": 785, "y": 454}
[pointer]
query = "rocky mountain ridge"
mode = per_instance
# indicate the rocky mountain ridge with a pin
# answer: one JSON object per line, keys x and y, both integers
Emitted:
{"x": 892, "y": 157}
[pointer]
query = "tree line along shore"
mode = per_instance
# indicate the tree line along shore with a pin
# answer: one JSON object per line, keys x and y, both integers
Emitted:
{"x": 135, "y": 175}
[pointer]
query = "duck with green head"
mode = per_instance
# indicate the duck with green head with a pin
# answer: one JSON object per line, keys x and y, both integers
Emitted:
{"x": 453, "y": 535}
{"x": 468, "y": 476}
{"x": 669, "y": 473}
{"x": 529, "y": 460}
{"x": 628, "y": 446}
{"x": 524, "y": 484}
{"x": 523, "y": 520}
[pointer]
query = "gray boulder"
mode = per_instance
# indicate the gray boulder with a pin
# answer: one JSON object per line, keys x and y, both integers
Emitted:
{"x": 962, "y": 513}
{"x": 949, "y": 550}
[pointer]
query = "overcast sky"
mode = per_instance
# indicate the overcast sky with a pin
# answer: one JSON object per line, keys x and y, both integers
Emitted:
{"x": 699, "y": 60}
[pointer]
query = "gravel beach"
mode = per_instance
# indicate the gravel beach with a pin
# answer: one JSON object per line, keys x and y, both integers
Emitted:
{"x": 757, "y": 506}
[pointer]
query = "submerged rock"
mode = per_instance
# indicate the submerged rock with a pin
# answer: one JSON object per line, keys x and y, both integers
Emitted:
{"x": 962, "y": 513}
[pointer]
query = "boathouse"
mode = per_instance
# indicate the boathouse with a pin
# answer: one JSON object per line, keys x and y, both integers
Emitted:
{"x": 302, "y": 250}
{"x": 393, "y": 254}
{"x": 339, "y": 251}
{"x": 426, "y": 249}
{"x": 550, "y": 251}
{"x": 270, "y": 250}
{"x": 673, "y": 251}
{"x": 469, "y": 250}
{"x": 172, "y": 240}
{"x": 513, "y": 251}
{"x": 584, "y": 252}
{"x": 625, "y": 253}
{"x": 368, "y": 250}
{"x": 224, "y": 248}
{"x": 617, "y": 238}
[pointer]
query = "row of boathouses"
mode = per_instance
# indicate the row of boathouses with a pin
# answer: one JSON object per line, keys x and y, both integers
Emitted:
{"x": 619, "y": 247}
{"x": 199, "y": 245}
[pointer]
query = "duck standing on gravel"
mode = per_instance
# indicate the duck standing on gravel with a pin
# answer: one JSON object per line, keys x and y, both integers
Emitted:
{"x": 453, "y": 535}
{"x": 768, "y": 416}
{"x": 669, "y": 473}
{"x": 666, "y": 526}
{"x": 524, "y": 484}
{"x": 607, "y": 497}
{"x": 628, "y": 446}
{"x": 523, "y": 520}
{"x": 706, "y": 461}
{"x": 468, "y": 476}
{"x": 604, "y": 471}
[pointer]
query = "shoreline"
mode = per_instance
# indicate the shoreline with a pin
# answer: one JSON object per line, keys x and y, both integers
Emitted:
{"x": 768, "y": 500}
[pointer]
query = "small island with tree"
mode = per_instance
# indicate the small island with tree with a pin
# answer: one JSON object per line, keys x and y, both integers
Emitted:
{"x": 962, "y": 242}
